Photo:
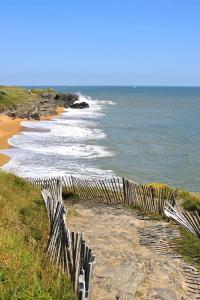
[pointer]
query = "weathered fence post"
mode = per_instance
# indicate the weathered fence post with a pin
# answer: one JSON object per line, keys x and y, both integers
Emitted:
{"x": 124, "y": 188}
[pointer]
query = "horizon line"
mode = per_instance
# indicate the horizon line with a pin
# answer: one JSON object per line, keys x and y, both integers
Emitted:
{"x": 98, "y": 85}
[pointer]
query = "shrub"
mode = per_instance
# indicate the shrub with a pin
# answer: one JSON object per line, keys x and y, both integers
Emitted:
{"x": 190, "y": 201}
{"x": 2, "y": 93}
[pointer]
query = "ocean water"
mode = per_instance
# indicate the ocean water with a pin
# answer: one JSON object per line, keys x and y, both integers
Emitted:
{"x": 144, "y": 133}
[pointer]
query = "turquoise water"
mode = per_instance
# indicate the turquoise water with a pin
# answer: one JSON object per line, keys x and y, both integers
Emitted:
{"x": 144, "y": 133}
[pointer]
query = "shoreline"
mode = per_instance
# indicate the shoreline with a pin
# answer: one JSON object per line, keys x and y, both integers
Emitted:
{"x": 10, "y": 127}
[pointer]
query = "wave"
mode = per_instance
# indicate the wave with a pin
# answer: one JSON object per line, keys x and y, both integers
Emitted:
{"x": 19, "y": 166}
{"x": 93, "y": 102}
{"x": 56, "y": 133}
{"x": 60, "y": 146}
{"x": 76, "y": 150}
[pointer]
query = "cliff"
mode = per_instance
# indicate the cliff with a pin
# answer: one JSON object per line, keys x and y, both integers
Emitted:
{"x": 22, "y": 103}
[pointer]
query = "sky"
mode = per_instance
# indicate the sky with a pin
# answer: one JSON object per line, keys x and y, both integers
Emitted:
{"x": 100, "y": 42}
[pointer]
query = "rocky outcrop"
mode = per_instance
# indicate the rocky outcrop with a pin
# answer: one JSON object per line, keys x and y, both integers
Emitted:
{"x": 66, "y": 100}
{"x": 45, "y": 104}
{"x": 80, "y": 105}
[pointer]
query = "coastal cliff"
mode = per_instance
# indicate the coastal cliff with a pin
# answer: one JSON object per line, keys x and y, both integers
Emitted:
{"x": 22, "y": 103}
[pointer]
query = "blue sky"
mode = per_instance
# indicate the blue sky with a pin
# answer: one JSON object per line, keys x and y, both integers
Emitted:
{"x": 100, "y": 42}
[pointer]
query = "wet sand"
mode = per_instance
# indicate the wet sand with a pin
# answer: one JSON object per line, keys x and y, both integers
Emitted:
{"x": 10, "y": 127}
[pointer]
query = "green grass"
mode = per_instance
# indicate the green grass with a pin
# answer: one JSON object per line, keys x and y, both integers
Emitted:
{"x": 190, "y": 201}
{"x": 40, "y": 91}
{"x": 25, "y": 272}
{"x": 158, "y": 185}
{"x": 188, "y": 246}
{"x": 11, "y": 96}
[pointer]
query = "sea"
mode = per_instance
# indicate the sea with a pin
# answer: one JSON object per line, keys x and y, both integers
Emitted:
{"x": 147, "y": 134}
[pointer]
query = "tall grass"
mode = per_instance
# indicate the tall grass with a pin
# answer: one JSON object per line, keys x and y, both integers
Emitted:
{"x": 188, "y": 246}
{"x": 190, "y": 201}
{"x": 25, "y": 272}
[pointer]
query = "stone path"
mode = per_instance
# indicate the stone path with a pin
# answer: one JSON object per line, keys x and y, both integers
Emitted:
{"x": 127, "y": 267}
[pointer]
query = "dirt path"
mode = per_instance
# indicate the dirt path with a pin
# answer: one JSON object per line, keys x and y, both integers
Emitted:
{"x": 126, "y": 267}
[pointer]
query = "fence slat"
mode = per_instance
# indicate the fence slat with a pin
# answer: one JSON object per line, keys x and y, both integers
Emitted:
{"x": 186, "y": 219}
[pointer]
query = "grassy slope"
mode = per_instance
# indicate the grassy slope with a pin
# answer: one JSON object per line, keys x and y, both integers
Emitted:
{"x": 39, "y": 91}
{"x": 11, "y": 96}
{"x": 188, "y": 246}
{"x": 24, "y": 270}
{"x": 190, "y": 201}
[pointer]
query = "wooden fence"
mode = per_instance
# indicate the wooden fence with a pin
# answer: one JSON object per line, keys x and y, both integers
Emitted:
{"x": 115, "y": 190}
{"x": 66, "y": 249}
{"x": 102, "y": 190}
{"x": 188, "y": 220}
{"x": 148, "y": 198}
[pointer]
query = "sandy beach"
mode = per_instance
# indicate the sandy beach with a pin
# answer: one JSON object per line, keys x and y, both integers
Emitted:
{"x": 10, "y": 127}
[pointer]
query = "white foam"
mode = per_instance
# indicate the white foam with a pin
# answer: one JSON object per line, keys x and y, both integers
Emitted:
{"x": 93, "y": 102}
{"x": 57, "y": 133}
{"x": 76, "y": 132}
{"x": 21, "y": 168}
{"x": 75, "y": 150}
{"x": 63, "y": 146}
{"x": 86, "y": 113}
{"x": 38, "y": 125}
{"x": 75, "y": 122}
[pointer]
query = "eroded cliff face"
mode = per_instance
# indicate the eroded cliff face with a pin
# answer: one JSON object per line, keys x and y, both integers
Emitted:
{"x": 41, "y": 104}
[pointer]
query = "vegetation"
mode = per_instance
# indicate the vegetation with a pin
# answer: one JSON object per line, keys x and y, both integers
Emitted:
{"x": 40, "y": 91}
{"x": 188, "y": 246}
{"x": 11, "y": 96}
{"x": 190, "y": 201}
{"x": 158, "y": 185}
{"x": 24, "y": 269}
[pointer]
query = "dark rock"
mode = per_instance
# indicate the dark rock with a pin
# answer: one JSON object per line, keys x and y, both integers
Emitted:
{"x": 44, "y": 101}
{"x": 44, "y": 104}
{"x": 35, "y": 116}
{"x": 80, "y": 105}
{"x": 57, "y": 96}
{"x": 66, "y": 99}
{"x": 47, "y": 95}
{"x": 72, "y": 97}
{"x": 12, "y": 114}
